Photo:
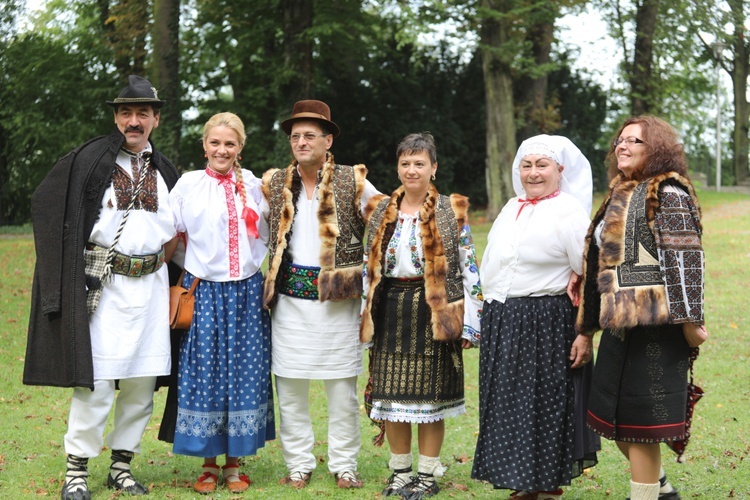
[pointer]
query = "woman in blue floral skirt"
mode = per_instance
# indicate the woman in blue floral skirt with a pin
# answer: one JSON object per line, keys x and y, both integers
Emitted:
{"x": 225, "y": 403}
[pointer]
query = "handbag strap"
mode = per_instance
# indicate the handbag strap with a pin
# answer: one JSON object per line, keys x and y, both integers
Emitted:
{"x": 182, "y": 275}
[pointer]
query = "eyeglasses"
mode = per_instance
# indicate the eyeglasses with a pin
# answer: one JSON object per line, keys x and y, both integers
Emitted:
{"x": 309, "y": 137}
{"x": 627, "y": 140}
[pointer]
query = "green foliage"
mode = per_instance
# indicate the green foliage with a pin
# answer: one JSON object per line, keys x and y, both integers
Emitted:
{"x": 46, "y": 110}
{"x": 382, "y": 67}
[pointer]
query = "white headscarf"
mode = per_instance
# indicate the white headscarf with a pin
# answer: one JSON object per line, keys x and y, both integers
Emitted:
{"x": 575, "y": 178}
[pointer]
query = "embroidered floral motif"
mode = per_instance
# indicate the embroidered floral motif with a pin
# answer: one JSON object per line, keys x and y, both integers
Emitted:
{"x": 299, "y": 281}
{"x": 211, "y": 424}
{"x": 226, "y": 181}
{"x": 123, "y": 185}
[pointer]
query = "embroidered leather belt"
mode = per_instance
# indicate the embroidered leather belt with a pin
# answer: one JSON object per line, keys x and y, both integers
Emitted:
{"x": 134, "y": 266}
{"x": 414, "y": 282}
{"x": 299, "y": 281}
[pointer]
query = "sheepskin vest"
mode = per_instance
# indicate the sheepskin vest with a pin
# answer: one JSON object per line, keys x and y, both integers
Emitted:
{"x": 623, "y": 285}
{"x": 442, "y": 218}
{"x": 341, "y": 227}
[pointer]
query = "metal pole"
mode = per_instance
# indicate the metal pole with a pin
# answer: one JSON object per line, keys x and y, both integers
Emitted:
{"x": 718, "y": 126}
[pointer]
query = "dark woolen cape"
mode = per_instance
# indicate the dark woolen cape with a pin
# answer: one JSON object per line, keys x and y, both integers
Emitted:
{"x": 64, "y": 209}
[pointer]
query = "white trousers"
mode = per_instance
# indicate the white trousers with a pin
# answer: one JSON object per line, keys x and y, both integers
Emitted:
{"x": 89, "y": 411}
{"x": 296, "y": 432}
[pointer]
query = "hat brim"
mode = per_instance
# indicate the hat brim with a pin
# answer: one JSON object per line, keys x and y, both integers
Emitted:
{"x": 286, "y": 125}
{"x": 157, "y": 103}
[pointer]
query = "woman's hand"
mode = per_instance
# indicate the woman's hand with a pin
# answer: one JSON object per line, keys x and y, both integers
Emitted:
{"x": 466, "y": 344}
{"x": 694, "y": 334}
{"x": 574, "y": 286}
{"x": 581, "y": 352}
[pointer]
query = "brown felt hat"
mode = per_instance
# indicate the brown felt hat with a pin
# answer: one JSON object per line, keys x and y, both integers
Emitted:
{"x": 310, "y": 110}
{"x": 138, "y": 91}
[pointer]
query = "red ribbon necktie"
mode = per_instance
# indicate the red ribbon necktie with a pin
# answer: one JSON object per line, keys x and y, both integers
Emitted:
{"x": 534, "y": 201}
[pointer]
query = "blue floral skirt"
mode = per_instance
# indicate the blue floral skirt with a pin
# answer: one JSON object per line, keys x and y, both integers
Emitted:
{"x": 225, "y": 401}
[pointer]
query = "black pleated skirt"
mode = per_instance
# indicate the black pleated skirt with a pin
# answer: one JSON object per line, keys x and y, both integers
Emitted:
{"x": 640, "y": 386}
{"x": 532, "y": 431}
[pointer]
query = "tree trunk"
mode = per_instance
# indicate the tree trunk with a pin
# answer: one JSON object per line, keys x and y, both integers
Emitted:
{"x": 501, "y": 130}
{"x": 533, "y": 88}
{"x": 298, "y": 56}
{"x": 166, "y": 75}
{"x": 126, "y": 26}
{"x": 643, "y": 98}
{"x": 740, "y": 70}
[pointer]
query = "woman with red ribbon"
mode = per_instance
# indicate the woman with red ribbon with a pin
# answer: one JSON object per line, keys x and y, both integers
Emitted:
{"x": 533, "y": 369}
{"x": 225, "y": 402}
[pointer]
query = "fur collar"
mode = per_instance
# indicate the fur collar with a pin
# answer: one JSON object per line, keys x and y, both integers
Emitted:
{"x": 446, "y": 318}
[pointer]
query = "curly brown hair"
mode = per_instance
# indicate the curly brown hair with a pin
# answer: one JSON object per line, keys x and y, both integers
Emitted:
{"x": 664, "y": 152}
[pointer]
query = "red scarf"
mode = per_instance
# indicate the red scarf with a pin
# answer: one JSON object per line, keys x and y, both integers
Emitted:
{"x": 534, "y": 201}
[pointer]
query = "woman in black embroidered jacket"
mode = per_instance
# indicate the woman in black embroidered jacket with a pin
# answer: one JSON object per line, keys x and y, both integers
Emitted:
{"x": 643, "y": 285}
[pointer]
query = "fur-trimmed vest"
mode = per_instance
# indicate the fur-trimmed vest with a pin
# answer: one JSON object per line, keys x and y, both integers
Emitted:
{"x": 623, "y": 285}
{"x": 341, "y": 227}
{"x": 442, "y": 218}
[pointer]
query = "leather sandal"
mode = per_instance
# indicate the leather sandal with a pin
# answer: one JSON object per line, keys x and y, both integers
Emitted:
{"x": 523, "y": 495}
{"x": 208, "y": 481}
{"x": 347, "y": 480}
{"x": 297, "y": 479}
{"x": 235, "y": 482}
{"x": 551, "y": 495}
{"x": 123, "y": 480}
{"x": 399, "y": 479}
{"x": 76, "y": 487}
{"x": 422, "y": 486}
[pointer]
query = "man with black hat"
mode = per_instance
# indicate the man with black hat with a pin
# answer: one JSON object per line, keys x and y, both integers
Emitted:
{"x": 313, "y": 288}
{"x": 102, "y": 226}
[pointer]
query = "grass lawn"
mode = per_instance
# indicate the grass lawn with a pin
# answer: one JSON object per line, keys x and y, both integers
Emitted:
{"x": 32, "y": 457}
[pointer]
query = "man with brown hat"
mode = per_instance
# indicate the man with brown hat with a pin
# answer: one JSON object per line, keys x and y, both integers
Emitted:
{"x": 102, "y": 227}
{"x": 313, "y": 288}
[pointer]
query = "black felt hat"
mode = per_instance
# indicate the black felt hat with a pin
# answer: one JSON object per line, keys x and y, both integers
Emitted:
{"x": 138, "y": 91}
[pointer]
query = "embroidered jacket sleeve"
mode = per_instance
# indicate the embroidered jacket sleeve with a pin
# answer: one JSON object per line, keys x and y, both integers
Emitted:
{"x": 677, "y": 232}
{"x": 472, "y": 287}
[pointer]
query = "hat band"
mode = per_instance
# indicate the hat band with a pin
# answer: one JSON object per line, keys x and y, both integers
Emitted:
{"x": 307, "y": 114}
{"x": 135, "y": 99}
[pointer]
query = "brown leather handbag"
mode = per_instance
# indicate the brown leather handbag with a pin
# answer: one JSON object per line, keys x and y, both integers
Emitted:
{"x": 181, "y": 305}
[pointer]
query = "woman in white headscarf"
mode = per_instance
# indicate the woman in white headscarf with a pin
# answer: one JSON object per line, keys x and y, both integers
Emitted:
{"x": 534, "y": 370}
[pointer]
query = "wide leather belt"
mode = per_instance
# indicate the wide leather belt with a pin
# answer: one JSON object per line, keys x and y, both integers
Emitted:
{"x": 133, "y": 266}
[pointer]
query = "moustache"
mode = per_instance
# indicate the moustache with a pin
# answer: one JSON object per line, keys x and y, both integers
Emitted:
{"x": 137, "y": 128}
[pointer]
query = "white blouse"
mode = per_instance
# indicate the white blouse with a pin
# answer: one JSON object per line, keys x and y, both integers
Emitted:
{"x": 534, "y": 254}
{"x": 405, "y": 259}
{"x": 200, "y": 211}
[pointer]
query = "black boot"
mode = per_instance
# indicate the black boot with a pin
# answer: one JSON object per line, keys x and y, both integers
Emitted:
{"x": 120, "y": 476}
{"x": 75, "y": 487}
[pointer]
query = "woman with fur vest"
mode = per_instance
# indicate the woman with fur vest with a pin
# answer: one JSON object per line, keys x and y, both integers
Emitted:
{"x": 643, "y": 286}
{"x": 534, "y": 371}
{"x": 422, "y": 305}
